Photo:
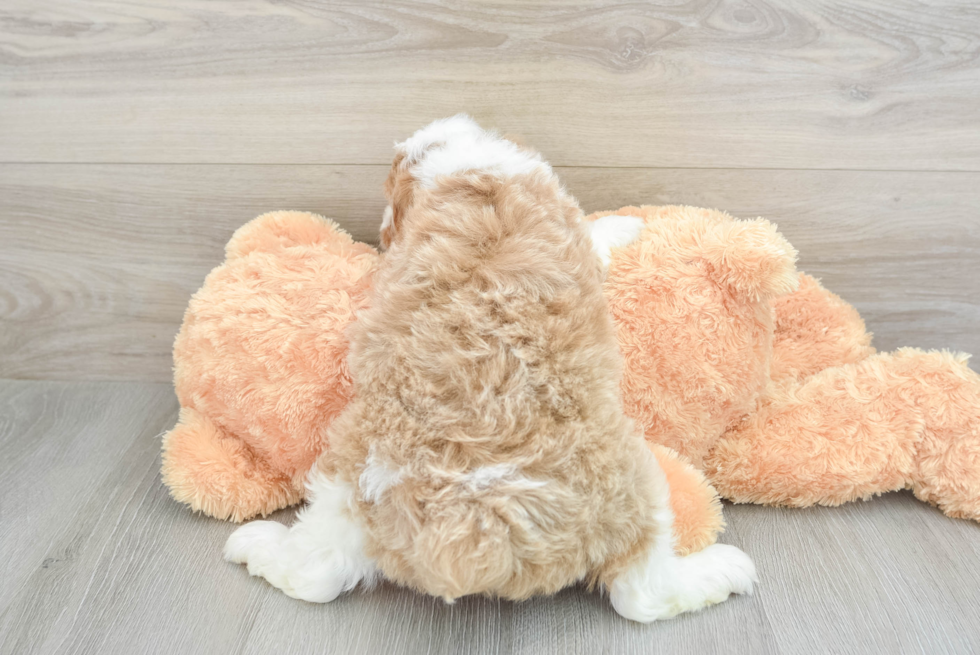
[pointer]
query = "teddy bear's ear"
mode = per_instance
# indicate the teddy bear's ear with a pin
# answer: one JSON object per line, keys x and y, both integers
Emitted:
{"x": 282, "y": 229}
{"x": 752, "y": 258}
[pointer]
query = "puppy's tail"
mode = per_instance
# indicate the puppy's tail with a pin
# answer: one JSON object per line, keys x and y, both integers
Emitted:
{"x": 488, "y": 531}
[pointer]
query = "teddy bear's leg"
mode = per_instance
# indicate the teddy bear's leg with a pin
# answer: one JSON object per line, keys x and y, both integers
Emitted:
{"x": 319, "y": 557}
{"x": 218, "y": 474}
{"x": 889, "y": 422}
{"x": 661, "y": 584}
{"x": 946, "y": 471}
{"x": 814, "y": 330}
{"x": 697, "y": 510}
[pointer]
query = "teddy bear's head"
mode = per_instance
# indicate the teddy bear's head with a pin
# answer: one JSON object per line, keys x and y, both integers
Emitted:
{"x": 260, "y": 364}
{"x": 692, "y": 301}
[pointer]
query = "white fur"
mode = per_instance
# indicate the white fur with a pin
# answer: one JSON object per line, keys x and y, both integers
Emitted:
{"x": 662, "y": 585}
{"x": 319, "y": 557}
{"x": 611, "y": 232}
{"x": 439, "y": 131}
{"x": 485, "y": 477}
{"x": 387, "y": 217}
{"x": 377, "y": 478}
{"x": 458, "y": 144}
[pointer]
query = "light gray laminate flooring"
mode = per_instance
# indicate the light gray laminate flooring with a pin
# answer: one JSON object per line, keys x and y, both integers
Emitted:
{"x": 97, "y": 558}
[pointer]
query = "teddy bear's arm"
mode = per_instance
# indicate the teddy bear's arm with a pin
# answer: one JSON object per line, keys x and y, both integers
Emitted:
{"x": 909, "y": 419}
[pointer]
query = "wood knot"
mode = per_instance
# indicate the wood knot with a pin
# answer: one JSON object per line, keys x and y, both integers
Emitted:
{"x": 631, "y": 44}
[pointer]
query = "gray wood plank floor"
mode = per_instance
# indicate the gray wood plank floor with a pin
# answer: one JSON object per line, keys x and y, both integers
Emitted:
{"x": 98, "y": 559}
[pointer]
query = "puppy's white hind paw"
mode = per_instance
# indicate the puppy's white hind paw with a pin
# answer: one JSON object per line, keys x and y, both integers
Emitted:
{"x": 258, "y": 539}
{"x": 661, "y": 587}
{"x": 318, "y": 558}
{"x": 261, "y": 545}
{"x": 721, "y": 570}
{"x": 269, "y": 552}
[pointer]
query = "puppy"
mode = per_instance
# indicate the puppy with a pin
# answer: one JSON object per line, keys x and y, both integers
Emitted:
{"x": 486, "y": 450}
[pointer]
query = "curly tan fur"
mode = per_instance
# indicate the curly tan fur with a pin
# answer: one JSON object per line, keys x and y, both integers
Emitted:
{"x": 487, "y": 375}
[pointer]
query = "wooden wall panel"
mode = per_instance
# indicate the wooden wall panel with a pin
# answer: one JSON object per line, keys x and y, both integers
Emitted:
{"x": 875, "y": 84}
{"x": 97, "y": 262}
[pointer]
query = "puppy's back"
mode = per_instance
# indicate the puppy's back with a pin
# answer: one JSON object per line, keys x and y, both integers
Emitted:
{"x": 487, "y": 443}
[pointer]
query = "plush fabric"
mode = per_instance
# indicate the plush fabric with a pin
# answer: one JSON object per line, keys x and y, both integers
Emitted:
{"x": 696, "y": 506}
{"x": 260, "y": 364}
{"x": 691, "y": 299}
{"x": 768, "y": 382}
{"x": 758, "y": 377}
{"x": 260, "y": 369}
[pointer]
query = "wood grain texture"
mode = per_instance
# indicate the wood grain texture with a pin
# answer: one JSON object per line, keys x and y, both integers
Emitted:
{"x": 879, "y": 572}
{"x": 873, "y": 84}
{"x": 59, "y": 442}
{"x": 97, "y": 262}
{"x": 99, "y": 559}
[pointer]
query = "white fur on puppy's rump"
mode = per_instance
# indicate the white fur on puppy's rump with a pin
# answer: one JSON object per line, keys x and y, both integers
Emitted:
{"x": 377, "y": 478}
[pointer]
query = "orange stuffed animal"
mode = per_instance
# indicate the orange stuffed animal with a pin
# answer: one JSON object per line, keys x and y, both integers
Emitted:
{"x": 732, "y": 358}
{"x": 768, "y": 382}
{"x": 260, "y": 364}
{"x": 260, "y": 371}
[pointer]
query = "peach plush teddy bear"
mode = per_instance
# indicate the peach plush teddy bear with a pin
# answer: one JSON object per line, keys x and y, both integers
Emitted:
{"x": 768, "y": 382}
{"x": 749, "y": 369}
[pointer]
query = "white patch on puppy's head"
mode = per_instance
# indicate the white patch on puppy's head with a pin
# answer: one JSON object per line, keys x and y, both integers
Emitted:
{"x": 442, "y": 131}
{"x": 442, "y": 149}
